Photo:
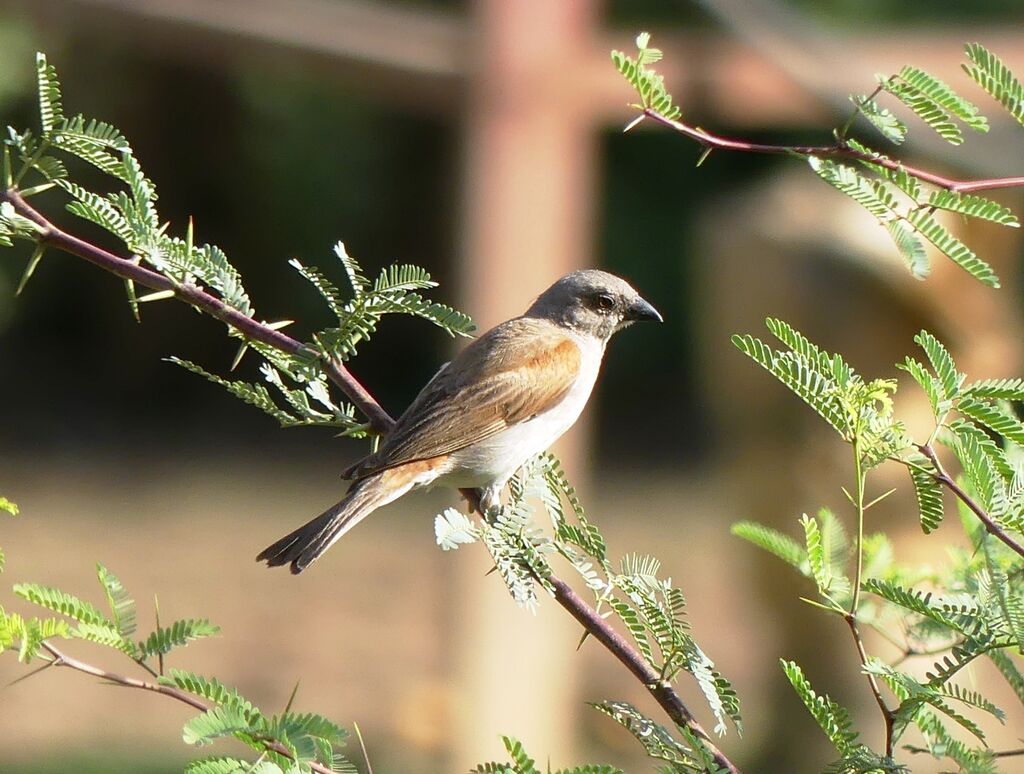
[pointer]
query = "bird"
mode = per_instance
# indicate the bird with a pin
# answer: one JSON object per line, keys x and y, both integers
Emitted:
{"x": 505, "y": 398}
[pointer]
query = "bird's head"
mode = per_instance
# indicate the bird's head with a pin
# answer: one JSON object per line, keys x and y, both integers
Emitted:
{"x": 593, "y": 302}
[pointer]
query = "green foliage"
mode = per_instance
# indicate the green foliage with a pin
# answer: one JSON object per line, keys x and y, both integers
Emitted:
{"x": 284, "y": 743}
{"x": 952, "y": 247}
{"x": 861, "y": 412}
{"x": 973, "y": 206}
{"x": 833, "y": 719}
{"x": 658, "y": 742}
{"x": 522, "y": 763}
{"x": 873, "y": 195}
{"x": 988, "y": 71}
{"x": 973, "y": 607}
{"x": 773, "y": 541}
{"x": 884, "y": 120}
{"x": 926, "y": 108}
{"x": 164, "y": 639}
{"x": 6, "y": 506}
{"x": 453, "y": 528}
{"x": 651, "y": 608}
{"x": 943, "y": 96}
{"x": 394, "y": 291}
{"x": 129, "y": 213}
{"x": 906, "y": 213}
{"x": 910, "y": 248}
{"x": 929, "y": 495}
{"x": 648, "y": 84}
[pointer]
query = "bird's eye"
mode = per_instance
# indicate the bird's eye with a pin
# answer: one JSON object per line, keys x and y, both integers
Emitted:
{"x": 604, "y": 302}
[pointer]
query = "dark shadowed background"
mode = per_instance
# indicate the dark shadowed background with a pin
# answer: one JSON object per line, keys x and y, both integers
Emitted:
{"x": 483, "y": 141}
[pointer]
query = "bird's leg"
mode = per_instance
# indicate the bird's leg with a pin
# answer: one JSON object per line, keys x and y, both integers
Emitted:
{"x": 490, "y": 502}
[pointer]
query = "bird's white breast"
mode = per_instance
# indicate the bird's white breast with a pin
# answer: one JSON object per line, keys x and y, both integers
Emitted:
{"x": 495, "y": 459}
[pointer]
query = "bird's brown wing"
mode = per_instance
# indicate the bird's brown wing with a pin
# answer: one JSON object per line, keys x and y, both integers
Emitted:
{"x": 513, "y": 372}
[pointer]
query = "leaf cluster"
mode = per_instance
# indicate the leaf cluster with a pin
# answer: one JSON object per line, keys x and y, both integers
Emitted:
{"x": 522, "y": 763}
{"x": 860, "y": 411}
{"x": 286, "y": 743}
{"x": 903, "y": 203}
{"x": 973, "y": 607}
{"x": 115, "y": 627}
{"x": 650, "y": 607}
{"x": 900, "y": 199}
{"x": 647, "y": 82}
{"x": 298, "y": 393}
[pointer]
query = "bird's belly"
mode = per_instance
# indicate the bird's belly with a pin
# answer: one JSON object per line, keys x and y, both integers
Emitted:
{"x": 496, "y": 458}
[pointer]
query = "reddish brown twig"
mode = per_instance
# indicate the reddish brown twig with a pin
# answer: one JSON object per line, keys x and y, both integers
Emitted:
{"x": 838, "y": 149}
{"x": 947, "y": 481}
{"x": 61, "y": 659}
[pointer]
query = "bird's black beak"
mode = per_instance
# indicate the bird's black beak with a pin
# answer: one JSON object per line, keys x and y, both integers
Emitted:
{"x": 641, "y": 310}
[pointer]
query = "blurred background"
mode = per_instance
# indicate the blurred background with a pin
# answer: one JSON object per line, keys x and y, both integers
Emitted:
{"x": 483, "y": 141}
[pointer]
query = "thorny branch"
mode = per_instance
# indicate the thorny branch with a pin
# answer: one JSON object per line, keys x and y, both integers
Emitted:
{"x": 947, "y": 481}
{"x": 381, "y": 421}
{"x": 61, "y": 659}
{"x": 839, "y": 149}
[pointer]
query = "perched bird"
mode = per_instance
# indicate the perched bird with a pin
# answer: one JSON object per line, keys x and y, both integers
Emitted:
{"x": 505, "y": 398}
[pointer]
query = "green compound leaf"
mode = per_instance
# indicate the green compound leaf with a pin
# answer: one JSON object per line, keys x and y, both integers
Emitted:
{"x": 215, "y": 723}
{"x": 998, "y": 389}
{"x": 657, "y": 741}
{"x": 942, "y": 363}
{"x": 60, "y": 602}
{"x": 973, "y": 206}
{"x": 994, "y": 417}
{"x": 213, "y": 690}
{"x": 122, "y": 606}
{"x": 873, "y": 195}
{"x": 943, "y": 96}
{"x": 884, "y": 120}
{"x": 773, "y": 541}
{"x": 948, "y": 244}
{"x": 926, "y": 108}
{"x": 801, "y": 375}
{"x": 988, "y": 71}
{"x": 929, "y": 499}
{"x": 832, "y": 718}
{"x": 178, "y": 634}
{"x": 911, "y": 249}
{"x": 50, "y": 111}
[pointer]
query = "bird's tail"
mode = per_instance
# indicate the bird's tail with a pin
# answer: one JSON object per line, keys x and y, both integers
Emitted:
{"x": 305, "y": 545}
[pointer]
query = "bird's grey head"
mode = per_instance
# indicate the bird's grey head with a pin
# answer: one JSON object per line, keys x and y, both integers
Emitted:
{"x": 592, "y": 302}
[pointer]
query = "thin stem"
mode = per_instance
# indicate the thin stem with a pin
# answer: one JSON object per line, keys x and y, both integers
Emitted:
{"x": 61, "y": 659}
{"x": 944, "y": 478}
{"x": 887, "y": 714}
{"x": 856, "y": 112}
{"x": 592, "y": 621}
{"x": 851, "y": 617}
{"x": 362, "y": 746}
{"x": 837, "y": 149}
{"x": 1008, "y": 753}
{"x": 858, "y": 464}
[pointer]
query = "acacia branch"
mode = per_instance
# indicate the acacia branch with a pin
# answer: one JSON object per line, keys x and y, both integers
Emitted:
{"x": 947, "y": 481}
{"x": 591, "y": 620}
{"x": 61, "y": 659}
{"x": 838, "y": 149}
{"x": 128, "y": 269}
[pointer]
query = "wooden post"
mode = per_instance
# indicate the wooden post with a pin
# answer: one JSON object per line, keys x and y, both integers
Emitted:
{"x": 528, "y": 172}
